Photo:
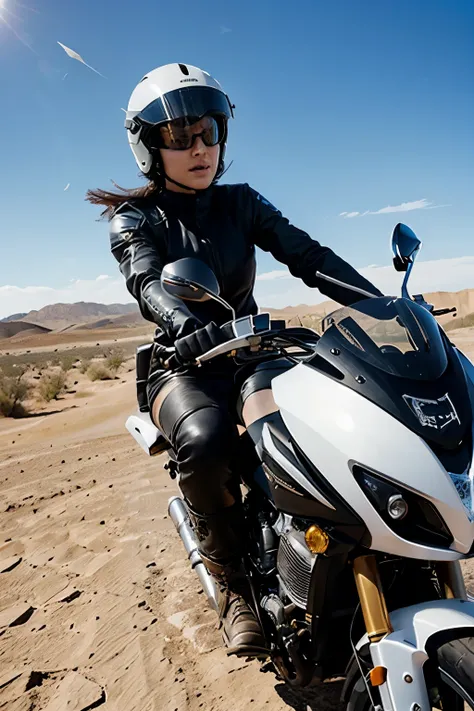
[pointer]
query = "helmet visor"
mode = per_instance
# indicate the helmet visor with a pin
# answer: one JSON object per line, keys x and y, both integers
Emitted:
{"x": 196, "y": 102}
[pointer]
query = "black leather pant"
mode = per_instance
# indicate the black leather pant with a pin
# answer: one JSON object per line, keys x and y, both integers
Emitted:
{"x": 199, "y": 418}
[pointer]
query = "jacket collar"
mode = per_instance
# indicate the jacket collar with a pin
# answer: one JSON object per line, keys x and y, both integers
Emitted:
{"x": 182, "y": 204}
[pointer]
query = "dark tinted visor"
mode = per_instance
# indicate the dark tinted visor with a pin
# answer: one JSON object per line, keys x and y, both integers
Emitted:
{"x": 194, "y": 101}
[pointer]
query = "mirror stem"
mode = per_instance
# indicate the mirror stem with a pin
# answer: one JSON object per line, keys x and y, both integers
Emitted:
{"x": 222, "y": 303}
{"x": 405, "y": 293}
{"x": 320, "y": 275}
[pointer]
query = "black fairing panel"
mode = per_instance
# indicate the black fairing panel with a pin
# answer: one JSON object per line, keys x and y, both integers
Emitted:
{"x": 387, "y": 390}
{"x": 290, "y": 497}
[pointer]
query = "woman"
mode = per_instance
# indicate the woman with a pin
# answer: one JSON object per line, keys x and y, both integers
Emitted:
{"x": 177, "y": 129}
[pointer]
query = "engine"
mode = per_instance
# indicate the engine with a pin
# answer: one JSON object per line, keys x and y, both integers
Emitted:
{"x": 295, "y": 564}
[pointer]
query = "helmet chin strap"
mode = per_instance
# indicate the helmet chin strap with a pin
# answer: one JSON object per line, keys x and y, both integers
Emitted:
{"x": 180, "y": 185}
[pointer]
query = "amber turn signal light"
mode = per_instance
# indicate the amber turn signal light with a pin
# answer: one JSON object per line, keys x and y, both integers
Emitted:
{"x": 316, "y": 539}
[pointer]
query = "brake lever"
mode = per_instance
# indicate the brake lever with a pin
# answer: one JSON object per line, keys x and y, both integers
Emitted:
{"x": 442, "y": 312}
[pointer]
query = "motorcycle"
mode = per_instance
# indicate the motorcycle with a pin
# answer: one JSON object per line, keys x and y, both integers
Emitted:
{"x": 361, "y": 506}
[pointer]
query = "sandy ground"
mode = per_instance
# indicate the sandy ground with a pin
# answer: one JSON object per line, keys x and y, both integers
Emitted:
{"x": 74, "y": 339}
{"x": 98, "y": 606}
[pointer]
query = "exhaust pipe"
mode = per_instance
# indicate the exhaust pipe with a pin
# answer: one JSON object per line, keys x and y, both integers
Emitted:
{"x": 179, "y": 515}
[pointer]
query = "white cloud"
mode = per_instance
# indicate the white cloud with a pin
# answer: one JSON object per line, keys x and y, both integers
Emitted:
{"x": 423, "y": 204}
{"x": 437, "y": 275}
{"x": 103, "y": 289}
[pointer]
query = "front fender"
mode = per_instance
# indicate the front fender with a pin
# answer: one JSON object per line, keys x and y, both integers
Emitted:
{"x": 404, "y": 651}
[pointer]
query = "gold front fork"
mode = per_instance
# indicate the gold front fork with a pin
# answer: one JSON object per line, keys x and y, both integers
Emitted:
{"x": 372, "y": 600}
{"x": 451, "y": 579}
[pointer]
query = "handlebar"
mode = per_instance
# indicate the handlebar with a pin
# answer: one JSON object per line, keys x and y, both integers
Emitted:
{"x": 255, "y": 331}
{"x": 442, "y": 312}
{"x": 250, "y": 332}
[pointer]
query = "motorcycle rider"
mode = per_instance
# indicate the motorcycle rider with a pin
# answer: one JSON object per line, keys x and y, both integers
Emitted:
{"x": 176, "y": 122}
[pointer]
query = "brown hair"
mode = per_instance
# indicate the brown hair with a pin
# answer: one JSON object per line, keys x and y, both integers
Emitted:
{"x": 112, "y": 199}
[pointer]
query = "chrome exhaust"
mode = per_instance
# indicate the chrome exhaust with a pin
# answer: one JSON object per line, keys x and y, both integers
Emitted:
{"x": 179, "y": 515}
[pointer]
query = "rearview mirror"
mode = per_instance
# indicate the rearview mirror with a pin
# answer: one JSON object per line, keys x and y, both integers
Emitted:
{"x": 191, "y": 279}
{"x": 405, "y": 247}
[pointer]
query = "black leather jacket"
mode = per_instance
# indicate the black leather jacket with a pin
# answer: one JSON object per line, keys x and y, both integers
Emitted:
{"x": 221, "y": 226}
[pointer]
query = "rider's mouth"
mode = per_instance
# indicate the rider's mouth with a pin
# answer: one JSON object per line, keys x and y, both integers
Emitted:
{"x": 199, "y": 169}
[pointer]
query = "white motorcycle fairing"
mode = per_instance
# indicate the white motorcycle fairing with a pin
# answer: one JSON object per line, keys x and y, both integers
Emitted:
{"x": 145, "y": 433}
{"x": 403, "y": 652}
{"x": 335, "y": 426}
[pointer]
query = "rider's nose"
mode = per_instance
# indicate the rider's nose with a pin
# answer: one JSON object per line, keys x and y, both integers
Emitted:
{"x": 198, "y": 146}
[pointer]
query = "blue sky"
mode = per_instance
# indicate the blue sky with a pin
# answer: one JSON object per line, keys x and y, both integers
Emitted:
{"x": 346, "y": 106}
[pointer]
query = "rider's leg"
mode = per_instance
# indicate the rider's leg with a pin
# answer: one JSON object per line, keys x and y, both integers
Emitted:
{"x": 193, "y": 412}
{"x": 256, "y": 401}
{"x": 258, "y": 405}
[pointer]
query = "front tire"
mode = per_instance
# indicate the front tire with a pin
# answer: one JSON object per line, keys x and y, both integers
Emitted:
{"x": 456, "y": 672}
{"x": 456, "y": 666}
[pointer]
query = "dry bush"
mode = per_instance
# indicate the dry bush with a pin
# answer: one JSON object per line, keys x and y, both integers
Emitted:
{"x": 98, "y": 371}
{"x": 13, "y": 391}
{"x": 52, "y": 385}
{"x": 114, "y": 359}
{"x": 67, "y": 362}
{"x": 85, "y": 365}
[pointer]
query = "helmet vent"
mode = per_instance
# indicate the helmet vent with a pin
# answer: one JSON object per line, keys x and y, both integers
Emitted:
{"x": 184, "y": 69}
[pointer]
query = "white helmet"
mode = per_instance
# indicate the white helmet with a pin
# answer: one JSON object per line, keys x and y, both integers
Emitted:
{"x": 170, "y": 92}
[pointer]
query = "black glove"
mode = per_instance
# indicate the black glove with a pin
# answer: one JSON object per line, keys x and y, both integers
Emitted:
{"x": 190, "y": 347}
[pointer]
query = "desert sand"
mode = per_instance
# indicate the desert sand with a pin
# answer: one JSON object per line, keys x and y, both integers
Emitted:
{"x": 98, "y": 605}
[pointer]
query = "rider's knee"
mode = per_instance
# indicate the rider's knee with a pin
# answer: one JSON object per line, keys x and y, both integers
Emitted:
{"x": 205, "y": 445}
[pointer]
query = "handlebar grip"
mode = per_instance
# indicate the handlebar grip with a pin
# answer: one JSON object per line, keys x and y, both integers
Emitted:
{"x": 442, "y": 312}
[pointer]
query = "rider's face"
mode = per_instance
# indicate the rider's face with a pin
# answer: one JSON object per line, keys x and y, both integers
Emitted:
{"x": 195, "y": 167}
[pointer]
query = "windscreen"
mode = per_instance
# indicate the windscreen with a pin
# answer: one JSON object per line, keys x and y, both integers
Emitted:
{"x": 396, "y": 335}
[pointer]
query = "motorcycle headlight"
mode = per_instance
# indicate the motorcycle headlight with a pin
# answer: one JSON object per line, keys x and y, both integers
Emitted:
{"x": 409, "y": 515}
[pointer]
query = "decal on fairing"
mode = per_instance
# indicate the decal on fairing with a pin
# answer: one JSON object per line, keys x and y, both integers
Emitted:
{"x": 464, "y": 485}
{"x": 438, "y": 414}
{"x": 433, "y": 413}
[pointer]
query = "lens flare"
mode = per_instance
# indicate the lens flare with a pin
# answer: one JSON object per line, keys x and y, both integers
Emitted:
{"x": 5, "y": 19}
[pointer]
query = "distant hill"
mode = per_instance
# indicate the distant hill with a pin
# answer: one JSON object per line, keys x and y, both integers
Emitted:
{"x": 122, "y": 321}
{"x": 13, "y": 317}
{"x": 312, "y": 315}
{"x": 91, "y": 315}
{"x": 461, "y": 322}
{"x": 10, "y": 329}
{"x": 60, "y": 316}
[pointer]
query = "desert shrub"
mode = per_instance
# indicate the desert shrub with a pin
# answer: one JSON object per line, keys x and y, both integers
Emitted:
{"x": 98, "y": 371}
{"x": 13, "y": 391}
{"x": 67, "y": 361}
{"x": 114, "y": 359}
{"x": 85, "y": 365}
{"x": 52, "y": 385}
